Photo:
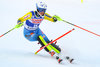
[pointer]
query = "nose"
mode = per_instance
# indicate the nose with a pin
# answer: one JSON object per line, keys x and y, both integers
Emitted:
{"x": 42, "y": 13}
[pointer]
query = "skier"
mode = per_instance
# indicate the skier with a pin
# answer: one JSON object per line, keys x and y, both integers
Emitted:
{"x": 32, "y": 32}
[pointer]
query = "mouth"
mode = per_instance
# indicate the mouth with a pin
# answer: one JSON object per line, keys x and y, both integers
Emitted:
{"x": 42, "y": 13}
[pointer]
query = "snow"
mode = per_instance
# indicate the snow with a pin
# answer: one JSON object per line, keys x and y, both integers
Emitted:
{"x": 84, "y": 47}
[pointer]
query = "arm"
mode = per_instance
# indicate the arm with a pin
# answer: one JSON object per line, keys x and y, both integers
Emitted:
{"x": 50, "y": 18}
{"x": 22, "y": 19}
{"x": 25, "y": 17}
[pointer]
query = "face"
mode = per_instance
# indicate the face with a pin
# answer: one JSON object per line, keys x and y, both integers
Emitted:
{"x": 42, "y": 13}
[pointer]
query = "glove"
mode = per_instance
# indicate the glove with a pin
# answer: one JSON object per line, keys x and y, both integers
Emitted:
{"x": 57, "y": 17}
{"x": 19, "y": 25}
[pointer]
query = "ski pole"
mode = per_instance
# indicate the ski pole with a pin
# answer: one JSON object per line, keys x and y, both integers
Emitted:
{"x": 81, "y": 28}
{"x": 7, "y": 32}
{"x": 54, "y": 40}
{"x": 20, "y": 24}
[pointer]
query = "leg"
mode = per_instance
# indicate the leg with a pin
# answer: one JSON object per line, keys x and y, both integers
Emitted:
{"x": 30, "y": 35}
{"x": 43, "y": 40}
{"x": 56, "y": 48}
{"x": 43, "y": 43}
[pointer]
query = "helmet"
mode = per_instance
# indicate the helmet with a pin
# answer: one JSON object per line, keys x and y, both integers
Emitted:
{"x": 41, "y": 7}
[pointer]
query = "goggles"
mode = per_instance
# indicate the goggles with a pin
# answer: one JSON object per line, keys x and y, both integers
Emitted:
{"x": 41, "y": 10}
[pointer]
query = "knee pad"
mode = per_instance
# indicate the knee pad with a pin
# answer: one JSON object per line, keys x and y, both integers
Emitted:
{"x": 43, "y": 43}
{"x": 49, "y": 47}
{"x": 56, "y": 48}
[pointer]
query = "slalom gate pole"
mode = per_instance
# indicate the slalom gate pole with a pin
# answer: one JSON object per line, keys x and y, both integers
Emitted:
{"x": 54, "y": 40}
{"x": 81, "y": 28}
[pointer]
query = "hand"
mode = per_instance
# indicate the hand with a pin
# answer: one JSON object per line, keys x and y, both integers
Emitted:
{"x": 57, "y": 17}
{"x": 19, "y": 22}
{"x": 19, "y": 25}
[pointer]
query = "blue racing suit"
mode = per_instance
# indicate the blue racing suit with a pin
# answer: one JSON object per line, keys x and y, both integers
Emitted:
{"x": 32, "y": 32}
{"x": 31, "y": 26}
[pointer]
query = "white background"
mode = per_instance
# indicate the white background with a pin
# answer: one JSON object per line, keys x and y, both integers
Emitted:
{"x": 84, "y": 47}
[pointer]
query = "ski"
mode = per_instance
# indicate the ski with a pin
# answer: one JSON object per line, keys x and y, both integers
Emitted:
{"x": 69, "y": 59}
{"x": 59, "y": 59}
{"x": 66, "y": 58}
